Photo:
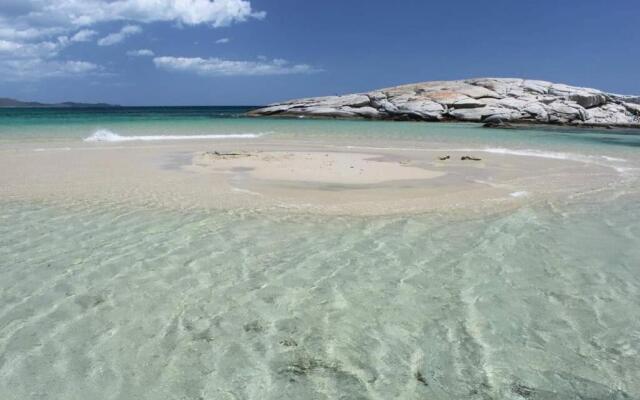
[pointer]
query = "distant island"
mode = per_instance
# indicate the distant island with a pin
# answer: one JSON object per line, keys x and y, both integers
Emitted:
{"x": 494, "y": 101}
{"x": 13, "y": 103}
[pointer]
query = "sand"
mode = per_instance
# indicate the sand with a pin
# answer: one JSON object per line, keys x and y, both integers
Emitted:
{"x": 383, "y": 177}
{"x": 316, "y": 167}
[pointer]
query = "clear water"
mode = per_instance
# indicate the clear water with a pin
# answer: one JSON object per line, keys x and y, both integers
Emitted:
{"x": 111, "y": 301}
{"x": 20, "y": 125}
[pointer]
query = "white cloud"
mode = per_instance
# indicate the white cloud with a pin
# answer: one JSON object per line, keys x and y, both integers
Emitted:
{"x": 35, "y": 69}
{"x": 223, "y": 41}
{"x": 75, "y": 67}
{"x": 119, "y": 36}
{"x": 20, "y": 50}
{"x": 220, "y": 67}
{"x": 140, "y": 53}
{"x": 77, "y": 13}
{"x": 35, "y": 32}
{"x": 9, "y": 46}
{"x": 83, "y": 35}
{"x": 21, "y": 61}
{"x": 25, "y": 33}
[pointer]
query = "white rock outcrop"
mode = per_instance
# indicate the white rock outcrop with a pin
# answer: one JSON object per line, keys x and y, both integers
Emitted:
{"x": 477, "y": 100}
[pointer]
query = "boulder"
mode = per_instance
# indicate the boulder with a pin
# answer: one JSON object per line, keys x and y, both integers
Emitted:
{"x": 633, "y": 108}
{"x": 536, "y": 87}
{"x": 322, "y": 111}
{"x": 480, "y": 114}
{"x": 537, "y": 110}
{"x": 367, "y": 112}
{"x": 468, "y": 114}
{"x": 468, "y": 103}
{"x": 423, "y": 108}
{"x": 447, "y": 97}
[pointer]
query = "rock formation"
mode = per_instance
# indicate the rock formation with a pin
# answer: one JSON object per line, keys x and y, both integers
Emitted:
{"x": 489, "y": 100}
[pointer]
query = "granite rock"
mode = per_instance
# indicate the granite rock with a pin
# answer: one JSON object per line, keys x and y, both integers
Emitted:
{"x": 477, "y": 100}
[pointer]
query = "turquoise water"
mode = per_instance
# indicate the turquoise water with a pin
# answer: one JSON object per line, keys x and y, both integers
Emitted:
{"x": 114, "y": 301}
{"x": 19, "y": 125}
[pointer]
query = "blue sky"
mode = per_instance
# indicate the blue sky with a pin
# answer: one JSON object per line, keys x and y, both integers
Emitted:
{"x": 193, "y": 52}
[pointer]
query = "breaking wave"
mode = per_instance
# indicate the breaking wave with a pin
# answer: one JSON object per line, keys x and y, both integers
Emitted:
{"x": 105, "y": 135}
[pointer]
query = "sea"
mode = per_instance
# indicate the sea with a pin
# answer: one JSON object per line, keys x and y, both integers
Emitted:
{"x": 110, "y": 300}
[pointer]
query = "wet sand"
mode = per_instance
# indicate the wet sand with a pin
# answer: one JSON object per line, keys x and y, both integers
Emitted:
{"x": 293, "y": 175}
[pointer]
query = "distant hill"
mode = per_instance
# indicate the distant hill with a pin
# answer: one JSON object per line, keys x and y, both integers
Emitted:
{"x": 13, "y": 103}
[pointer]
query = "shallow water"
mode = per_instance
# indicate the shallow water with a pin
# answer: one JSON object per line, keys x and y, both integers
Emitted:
{"x": 111, "y": 300}
{"x": 157, "y": 304}
{"x": 22, "y": 125}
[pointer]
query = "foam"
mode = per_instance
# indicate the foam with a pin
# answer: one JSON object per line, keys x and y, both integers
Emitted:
{"x": 521, "y": 193}
{"x": 603, "y": 161}
{"x": 245, "y": 191}
{"x": 105, "y": 135}
{"x": 40, "y": 149}
{"x": 547, "y": 154}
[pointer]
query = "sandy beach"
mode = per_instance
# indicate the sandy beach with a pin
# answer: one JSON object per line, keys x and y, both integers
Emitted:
{"x": 382, "y": 177}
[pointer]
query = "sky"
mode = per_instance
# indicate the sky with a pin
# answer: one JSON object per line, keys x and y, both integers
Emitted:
{"x": 253, "y": 52}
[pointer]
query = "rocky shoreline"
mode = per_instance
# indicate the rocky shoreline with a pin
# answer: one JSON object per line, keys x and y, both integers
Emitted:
{"x": 494, "y": 101}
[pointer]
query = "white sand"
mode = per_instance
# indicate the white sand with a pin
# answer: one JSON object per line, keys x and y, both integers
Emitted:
{"x": 318, "y": 167}
{"x": 292, "y": 175}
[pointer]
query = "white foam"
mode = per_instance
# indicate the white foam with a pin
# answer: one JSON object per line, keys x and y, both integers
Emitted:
{"x": 614, "y": 159}
{"x": 603, "y": 161}
{"x": 105, "y": 135}
{"x": 245, "y": 191}
{"x": 521, "y": 193}
{"x": 53, "y": 149}
{"x": 529, "y": 153}
{"x": 550, "y": 154}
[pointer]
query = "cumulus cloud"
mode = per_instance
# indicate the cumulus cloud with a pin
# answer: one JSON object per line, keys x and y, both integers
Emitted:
{"x": 8, "y": 46}
{"x": 223, "y": 41}
{"x": 35, "y": 69}
{"x": 25, "y": 60}
{"x": 36, "y": 31}
{"x": 220, "y": 67}
{"x": 122, "y": 34}
{"x": 83, "y": 35}
{"x": 74, "y": 67}
{"x": 21, "y": 50}
{"x": 9, "y": 32}
{"x": 78, "y": 13}
{"x": 140, "y": 53}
